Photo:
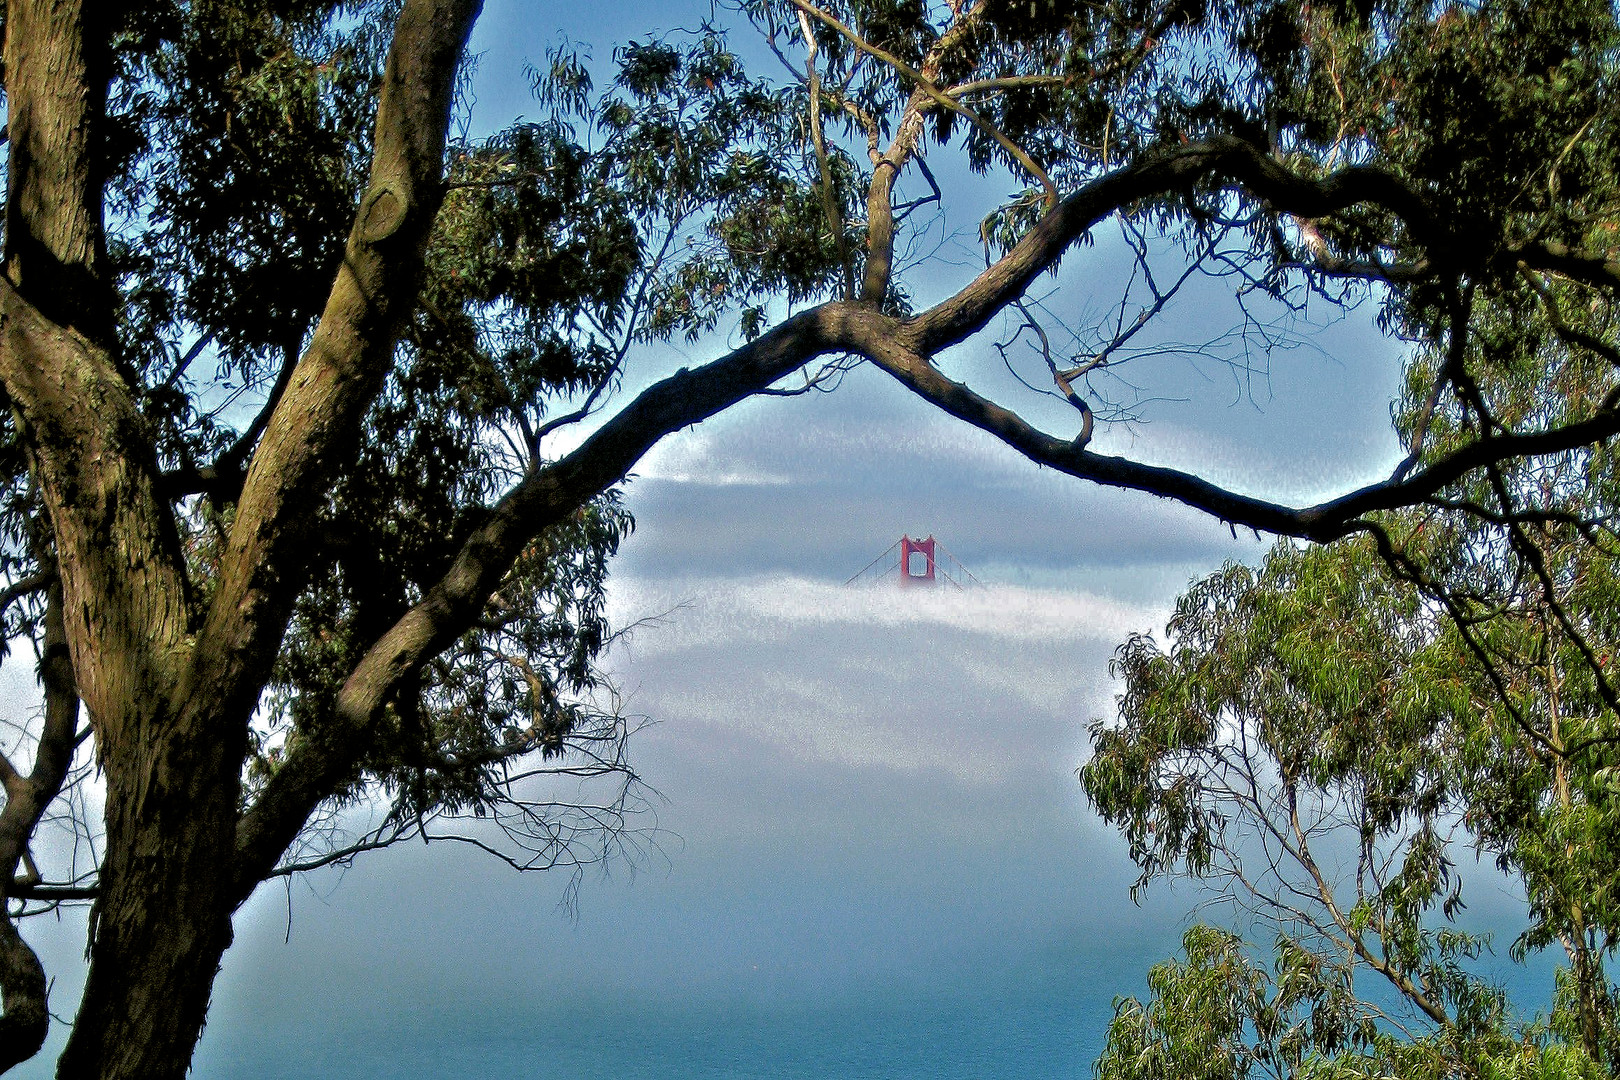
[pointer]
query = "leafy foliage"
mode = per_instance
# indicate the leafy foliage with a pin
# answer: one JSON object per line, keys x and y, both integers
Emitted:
{"x": 1219, "y": 1014}
{"x": 1315, "y": 739}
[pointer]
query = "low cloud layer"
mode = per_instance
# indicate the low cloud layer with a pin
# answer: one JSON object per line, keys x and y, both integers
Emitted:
{"x": 983, "y": 686}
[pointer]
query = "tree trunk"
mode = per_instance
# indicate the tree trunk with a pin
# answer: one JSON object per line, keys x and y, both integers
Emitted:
{"x": 163, "y": 919}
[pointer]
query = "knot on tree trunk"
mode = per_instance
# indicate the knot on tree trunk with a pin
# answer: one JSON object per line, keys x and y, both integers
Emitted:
{"x": 382, "y": 212}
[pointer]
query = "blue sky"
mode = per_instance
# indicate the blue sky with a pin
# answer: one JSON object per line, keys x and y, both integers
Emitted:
{"x": 858, "y": 789}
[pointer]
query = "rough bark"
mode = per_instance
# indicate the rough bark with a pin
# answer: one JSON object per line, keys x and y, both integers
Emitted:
{"x": 55, "y": 85}
{"x": 121, "y": 574}
{"x": 341, "y": 372}
{"x": 56, "y": 70}
{"x": 161, "y": 916}
{"x": 23, "y": 1027}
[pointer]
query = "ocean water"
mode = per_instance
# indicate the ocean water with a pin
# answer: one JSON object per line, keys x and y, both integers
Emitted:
{"x": 1029, "y": 1032}
{"x": 1039, "y": 1023}
{"x": 943, "y": 1038}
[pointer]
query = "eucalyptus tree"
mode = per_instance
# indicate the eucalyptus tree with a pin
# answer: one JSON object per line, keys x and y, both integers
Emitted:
{"x": 287, "y": 352}
{"x": 1318, "y": 743}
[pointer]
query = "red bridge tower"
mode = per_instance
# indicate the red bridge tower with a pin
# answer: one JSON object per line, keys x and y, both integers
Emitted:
{"x": 921, "y": 562}
{"x": 918, "y": 570}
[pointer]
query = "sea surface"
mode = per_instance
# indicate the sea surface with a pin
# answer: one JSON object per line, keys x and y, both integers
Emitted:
{"x": 1024, "y": 1025}
{"x": 940, "y": 1037}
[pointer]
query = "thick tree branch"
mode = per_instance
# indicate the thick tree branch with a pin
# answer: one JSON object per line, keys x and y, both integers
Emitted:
{"x": 343, "y": 368}
{"x": 320, "y": 765}
{"x": 57, "y": 65}
{"x": 1596, "y": 270}
{"x": 172, "y": 710}
{"x": 1071, "y": 457}
{"x": 117, "y": 551}
{"x": 22, "y": 996}
{"x": 1323, "y": 521}
{"x": 322, "y": 762}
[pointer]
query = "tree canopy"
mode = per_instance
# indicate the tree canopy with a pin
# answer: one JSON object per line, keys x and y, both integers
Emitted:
{"x": 1320, "y": 744}
{"x": 317, "y": 410}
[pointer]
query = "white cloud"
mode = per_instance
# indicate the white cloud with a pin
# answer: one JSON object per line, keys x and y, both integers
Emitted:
{"x": 979, "y": 687}
{"x": 712, "y": 609}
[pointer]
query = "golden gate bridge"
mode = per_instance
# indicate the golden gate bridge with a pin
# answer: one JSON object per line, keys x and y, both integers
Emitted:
{"x": 913, "y": 563}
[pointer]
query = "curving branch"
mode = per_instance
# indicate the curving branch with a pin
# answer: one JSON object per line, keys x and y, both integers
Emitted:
{"x": 1225, "y": 157}
{"x": 1241, "y": 163}
{"x": 1597, "y": 270}
{"x": 24, "y": 586}
{"x": 317, "y": 765}
{"x": 1322, "y": 521}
